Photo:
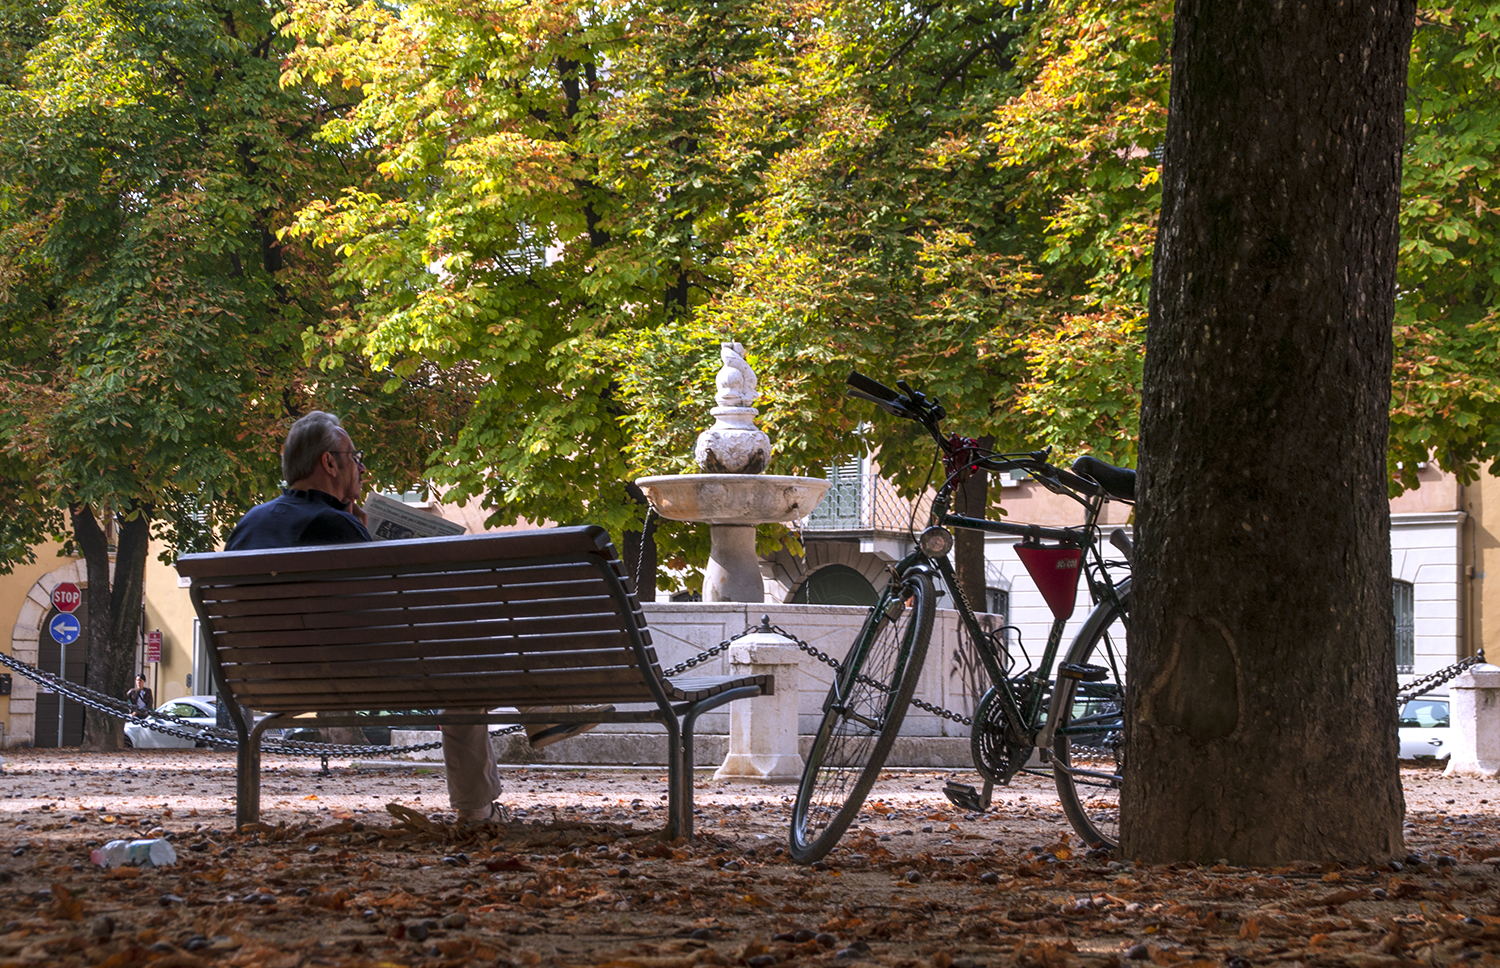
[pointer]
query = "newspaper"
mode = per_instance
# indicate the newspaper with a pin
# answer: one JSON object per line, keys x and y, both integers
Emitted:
{"x": 390, "y": 519}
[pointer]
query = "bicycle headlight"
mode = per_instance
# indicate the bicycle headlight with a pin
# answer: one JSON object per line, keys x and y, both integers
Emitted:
{"x": 935, "y": 542}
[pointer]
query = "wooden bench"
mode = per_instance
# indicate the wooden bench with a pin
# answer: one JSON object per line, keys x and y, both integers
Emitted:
{"x": 529, "y": 618}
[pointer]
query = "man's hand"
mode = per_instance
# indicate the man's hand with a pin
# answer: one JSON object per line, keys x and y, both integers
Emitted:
{"x": 358, "y": 510}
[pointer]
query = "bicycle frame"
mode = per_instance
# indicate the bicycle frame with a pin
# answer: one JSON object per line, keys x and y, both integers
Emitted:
{"x": 1024, "y": 712}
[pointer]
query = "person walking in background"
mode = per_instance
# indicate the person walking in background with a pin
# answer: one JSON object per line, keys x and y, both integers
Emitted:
{"x": 141, "y": 699}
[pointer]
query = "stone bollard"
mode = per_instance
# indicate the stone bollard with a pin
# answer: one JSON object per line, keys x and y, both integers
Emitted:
{"x": 763, "y": 731}
{"x": 1474, "y": 712}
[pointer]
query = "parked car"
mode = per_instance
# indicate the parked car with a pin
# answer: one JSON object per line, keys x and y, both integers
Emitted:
{"x": 200, "y": 711}
{"x": 1424, "y": 728}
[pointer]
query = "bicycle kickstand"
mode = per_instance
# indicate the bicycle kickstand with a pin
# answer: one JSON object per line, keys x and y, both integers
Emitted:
{"x": 965, "y": 797}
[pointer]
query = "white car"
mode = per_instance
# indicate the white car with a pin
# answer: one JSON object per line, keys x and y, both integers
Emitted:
{"x": 199, "y": 710}
{"x": 1424, "y": 728}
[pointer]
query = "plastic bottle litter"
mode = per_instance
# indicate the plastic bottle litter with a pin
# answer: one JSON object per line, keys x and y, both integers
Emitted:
{"x": 140, "y": 853}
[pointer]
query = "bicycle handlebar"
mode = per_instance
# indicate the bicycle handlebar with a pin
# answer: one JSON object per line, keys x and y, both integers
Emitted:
{"x": 879, "y": 394}
{"x": 1089, "y": 474}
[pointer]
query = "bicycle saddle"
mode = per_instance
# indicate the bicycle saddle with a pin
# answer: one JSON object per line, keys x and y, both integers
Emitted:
{"x": 1117, "y": 481}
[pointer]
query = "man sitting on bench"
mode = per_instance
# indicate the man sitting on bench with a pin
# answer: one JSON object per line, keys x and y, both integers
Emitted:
{"x": 322, "y": 507}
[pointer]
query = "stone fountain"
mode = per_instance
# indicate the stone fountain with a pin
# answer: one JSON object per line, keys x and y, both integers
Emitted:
{"x": 732, "y": 496}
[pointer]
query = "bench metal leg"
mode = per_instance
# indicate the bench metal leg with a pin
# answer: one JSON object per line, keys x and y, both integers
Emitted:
{"x": 247, "y": 780}
{"x": 689, "y": 722}
{"x": 675, "y": 823}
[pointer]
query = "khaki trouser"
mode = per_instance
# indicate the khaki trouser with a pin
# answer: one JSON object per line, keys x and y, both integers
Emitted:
{"x": 473, "y": 778}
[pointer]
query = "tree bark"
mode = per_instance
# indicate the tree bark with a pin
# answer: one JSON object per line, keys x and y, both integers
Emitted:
{"x": 972, "y": 500}
{"x": 114, "y": 616}
{"x": 1261, "y": 661}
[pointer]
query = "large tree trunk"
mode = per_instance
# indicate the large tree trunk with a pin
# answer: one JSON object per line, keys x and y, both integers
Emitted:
{"x": 1262, "y": 725}
{"x": 114, "y": 615}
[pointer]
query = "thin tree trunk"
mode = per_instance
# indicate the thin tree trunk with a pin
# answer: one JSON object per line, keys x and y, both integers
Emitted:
{"x": 972, "y": 500}
{"x": 114, "y": 615}
{"x": 640, "y": 551}
{"x": 1261, "y": 661}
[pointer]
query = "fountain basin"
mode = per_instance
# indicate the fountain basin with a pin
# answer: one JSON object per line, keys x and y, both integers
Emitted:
{"x": 746, "y": 499}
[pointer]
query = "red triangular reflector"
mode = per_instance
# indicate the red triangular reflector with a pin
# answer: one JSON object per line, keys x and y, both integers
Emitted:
{"x": 1055, "y": 571}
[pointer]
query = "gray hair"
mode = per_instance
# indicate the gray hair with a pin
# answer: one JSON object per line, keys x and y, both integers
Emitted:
{"x": 311, "y": 437}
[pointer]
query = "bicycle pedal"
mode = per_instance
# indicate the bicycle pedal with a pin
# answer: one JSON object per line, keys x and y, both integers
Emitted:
{"x": 965, "y": 797}
{"x": 1082, "y": 673}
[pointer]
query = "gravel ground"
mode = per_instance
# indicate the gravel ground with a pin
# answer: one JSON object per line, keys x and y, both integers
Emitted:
{"x": 581, "y": 877}
{"x": 176, "y": 789}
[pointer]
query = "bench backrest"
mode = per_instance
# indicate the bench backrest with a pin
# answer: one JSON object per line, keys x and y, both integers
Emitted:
{"x": 514, "y": 618}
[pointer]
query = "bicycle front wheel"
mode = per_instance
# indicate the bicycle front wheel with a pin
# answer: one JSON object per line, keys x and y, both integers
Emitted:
{"x": 862, "y": 714}
{"x": 1088, "y": 747}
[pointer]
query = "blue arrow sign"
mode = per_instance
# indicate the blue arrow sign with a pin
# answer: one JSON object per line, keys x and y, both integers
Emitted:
{"x": 65, "y": 629}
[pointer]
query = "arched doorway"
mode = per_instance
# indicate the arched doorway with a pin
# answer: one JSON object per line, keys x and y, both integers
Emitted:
{"x": 27, "y": 640}
{"x": 835, "y": 585}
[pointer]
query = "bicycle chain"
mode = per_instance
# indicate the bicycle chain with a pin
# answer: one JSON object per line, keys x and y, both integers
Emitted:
{"x": 1432, "y": 680}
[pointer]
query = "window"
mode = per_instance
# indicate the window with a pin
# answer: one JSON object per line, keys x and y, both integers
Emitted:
{"x": 1404, "y": 595}
{"x": 1425, "y": 714}
{"x": 997, "y": 601}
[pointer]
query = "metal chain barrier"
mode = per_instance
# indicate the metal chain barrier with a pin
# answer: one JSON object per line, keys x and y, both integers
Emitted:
{"x": 208, "y": 735}
{"x": 1431, "y": 681}
{"x": 826, "y": 659}
{"x": 213, "y": 736}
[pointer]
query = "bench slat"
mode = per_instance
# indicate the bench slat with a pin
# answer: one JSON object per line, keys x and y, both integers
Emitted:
{"x": 351, "y": 666}
{"x": 396, "y": 651}
{"x": 371, "y": 652}
{"x": 596, "y": 609}
{"x": 450, "y": 554}
{"x": 501, "y": 636}
{"x": 439, "y": 693}
{"x": 516, "y": 583}
{"x": 408, "y": 598}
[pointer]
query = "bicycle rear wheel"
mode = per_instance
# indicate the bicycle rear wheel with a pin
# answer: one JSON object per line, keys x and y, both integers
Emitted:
{"x": 862, "y": 714}
{"x": 1088, "y": 747}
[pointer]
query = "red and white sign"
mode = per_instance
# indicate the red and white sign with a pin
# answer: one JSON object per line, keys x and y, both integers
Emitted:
{"x": 66, "y": 597}
{"x": 153, "y": 646}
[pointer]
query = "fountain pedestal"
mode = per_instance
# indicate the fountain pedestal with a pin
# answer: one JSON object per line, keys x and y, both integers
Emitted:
{"x": 733, "y": 572}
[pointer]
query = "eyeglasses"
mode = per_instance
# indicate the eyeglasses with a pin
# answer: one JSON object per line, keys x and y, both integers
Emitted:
{"x": 358, "y": 455}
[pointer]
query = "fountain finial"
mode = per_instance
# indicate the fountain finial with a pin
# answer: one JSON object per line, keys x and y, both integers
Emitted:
{"x": 733, "y": 445}
{"x": 736, "y": 381}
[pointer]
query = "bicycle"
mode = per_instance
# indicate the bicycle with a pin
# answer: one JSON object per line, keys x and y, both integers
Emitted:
{"x": 1074, "y": 722}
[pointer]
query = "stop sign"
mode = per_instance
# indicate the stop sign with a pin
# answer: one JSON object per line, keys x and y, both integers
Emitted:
{"x": 66, "y": 597}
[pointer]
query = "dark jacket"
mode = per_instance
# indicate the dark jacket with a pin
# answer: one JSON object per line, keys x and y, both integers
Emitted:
{"x": 296, "y": 519}
{"x": 141, "y": 700}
